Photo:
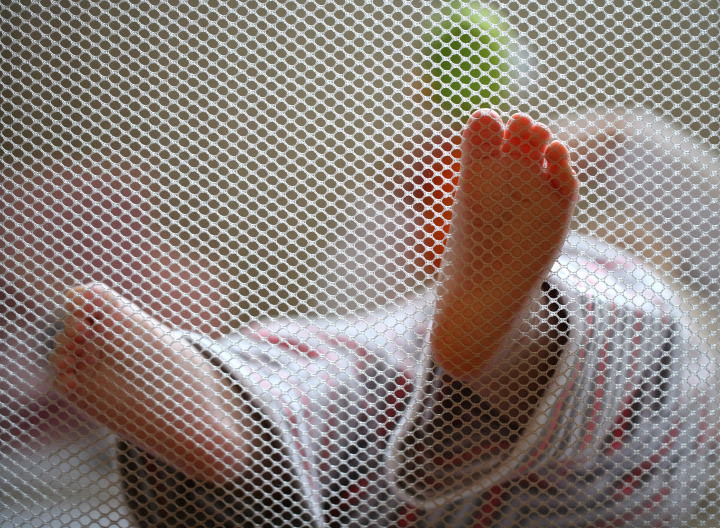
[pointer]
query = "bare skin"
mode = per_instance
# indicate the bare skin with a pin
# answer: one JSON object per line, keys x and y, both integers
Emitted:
{"x": 512, "y": 208}
{"x": 123, "y": 369}
{"x": 514, "y": 202}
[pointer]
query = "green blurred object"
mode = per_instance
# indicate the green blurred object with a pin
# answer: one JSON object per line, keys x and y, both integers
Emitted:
{"x": 468, "y": 58}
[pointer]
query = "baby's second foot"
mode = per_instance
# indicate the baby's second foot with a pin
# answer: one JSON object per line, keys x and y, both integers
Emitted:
{"x": 511, "y": 214}
{"x": 123, "y": 368}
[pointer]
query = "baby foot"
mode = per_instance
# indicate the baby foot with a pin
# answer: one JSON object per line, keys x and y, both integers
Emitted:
{"x": 123, "y": 368}
{"x": 511, "y": 213}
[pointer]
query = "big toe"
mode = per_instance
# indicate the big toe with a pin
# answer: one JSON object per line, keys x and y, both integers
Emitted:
{"x": 483, "y": 135}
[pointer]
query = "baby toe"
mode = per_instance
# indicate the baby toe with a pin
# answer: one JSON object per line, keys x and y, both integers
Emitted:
{"x": 559, "y": 170}
{"x": 483, "y": 135}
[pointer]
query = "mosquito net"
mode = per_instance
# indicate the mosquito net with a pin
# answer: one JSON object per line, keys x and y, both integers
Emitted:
{"x": 327, "y": 264}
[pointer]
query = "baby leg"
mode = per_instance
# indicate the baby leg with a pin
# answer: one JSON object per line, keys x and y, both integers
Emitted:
{"x": 125, "y": 370}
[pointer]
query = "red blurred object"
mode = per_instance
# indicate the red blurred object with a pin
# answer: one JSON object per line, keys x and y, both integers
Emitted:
{"x": 432, "y": 172}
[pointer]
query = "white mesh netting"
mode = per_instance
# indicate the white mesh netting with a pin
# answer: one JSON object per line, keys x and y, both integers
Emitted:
{"x": 229, "y": 297}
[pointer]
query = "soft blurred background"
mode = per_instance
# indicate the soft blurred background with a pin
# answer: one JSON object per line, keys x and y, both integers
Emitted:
{"x": 268, "y": 157}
